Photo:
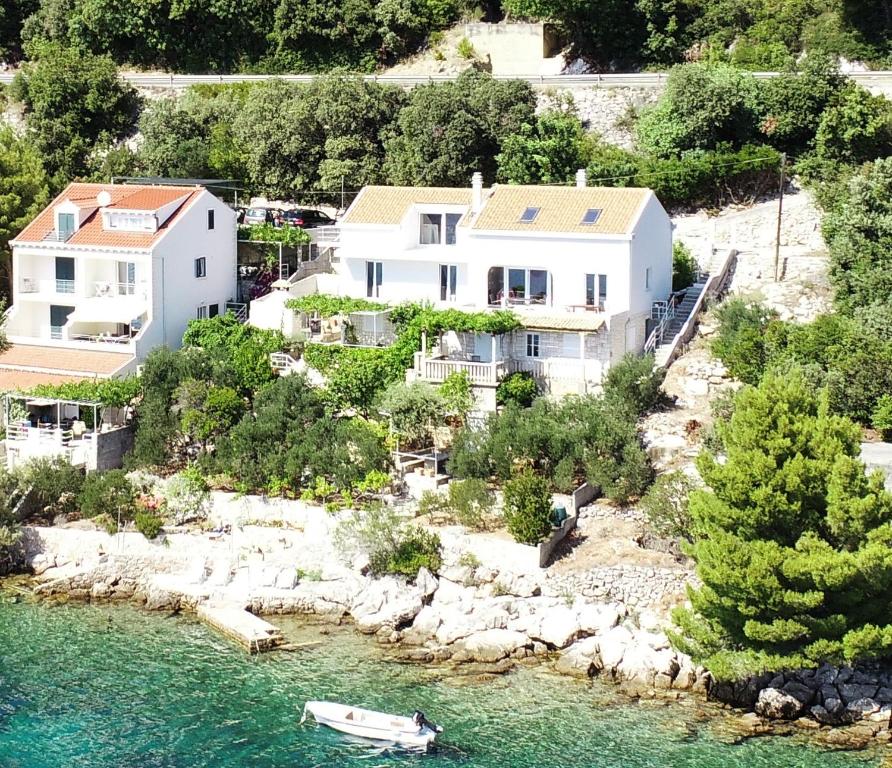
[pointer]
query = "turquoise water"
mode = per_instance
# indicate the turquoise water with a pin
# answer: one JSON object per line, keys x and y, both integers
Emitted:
{"x": 116, "y": 687}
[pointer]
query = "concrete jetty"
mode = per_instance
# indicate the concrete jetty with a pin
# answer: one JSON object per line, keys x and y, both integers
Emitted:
{"x": 251, "y": 632}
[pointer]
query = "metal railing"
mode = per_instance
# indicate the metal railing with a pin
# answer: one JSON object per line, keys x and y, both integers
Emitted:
{"x": 666, "y": 311}
{"x": 64, "y": 286}
{"x": 328, "y": 235}
{"x": 239, "y": 310}
{"x": 110, "y": 288}
{"x": 56, "y": 332}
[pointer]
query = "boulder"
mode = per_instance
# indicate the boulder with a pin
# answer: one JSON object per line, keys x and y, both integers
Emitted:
{"x": 386, "y": 602}
{"x": 489, "y": 646}
{"x": 598, "y": 619}
{"x": 777, "y": 704}
{"x": 855, "y": 691}
{"x": 286, "y": 578}
{"x": 425, "y": 626}
{"x": 580, "y": 659}
{"x": 426, "y": 582}
{"x": 861, "y": 708}
{"x": 41, "y": 563}
{"x": 558, "y": 628}
{"x": 803, "y": 693}
{"x": 613, "y": 646}
{"x": 642, "y": 664}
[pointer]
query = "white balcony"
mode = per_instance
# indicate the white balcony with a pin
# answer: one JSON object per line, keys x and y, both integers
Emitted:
{"x": 437, "y": 369}
{"x": 53, "y": 287}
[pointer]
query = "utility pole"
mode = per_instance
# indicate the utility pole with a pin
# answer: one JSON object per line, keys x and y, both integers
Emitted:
{"x": 780, "y": 210}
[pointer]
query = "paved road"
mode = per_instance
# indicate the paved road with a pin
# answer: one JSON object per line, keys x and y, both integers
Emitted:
{"x": 630, "y": 80}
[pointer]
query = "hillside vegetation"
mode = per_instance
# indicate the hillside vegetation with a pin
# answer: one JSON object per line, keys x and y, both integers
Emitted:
{"x": 299, "y": 36}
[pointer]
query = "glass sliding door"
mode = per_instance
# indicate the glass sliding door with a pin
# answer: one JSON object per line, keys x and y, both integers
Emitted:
{"x": 64, "y": 274}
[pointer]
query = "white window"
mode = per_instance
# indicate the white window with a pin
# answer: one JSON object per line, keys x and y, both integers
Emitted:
{"x": 508, "y": 285}
{"x": 532, "y": 345}
{"x": 202, "y": 313}
{"x": 596, "y": 291}
{"x": 201, "y": 267}
{"x": 434, "y": 225}
{"x": 448, "y": 281}
{"x": 647, "y": 279}
{"x": 374, "y": 273}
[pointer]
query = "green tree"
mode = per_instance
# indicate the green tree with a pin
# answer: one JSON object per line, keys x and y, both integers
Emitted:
{"x": 857, "y": 128}
{"x": 24, "y": 191}
{"x": 414, "y": 411}
{"x": 666, "y": 505}
{"x": 549, "y": 152}
{"x": 528, "y": 507}
{"x": 792, "y": 540}
{"x": 449, "y": 131}
{"x": 75, "y": 102}
{"x": 684, "y": 266}
{"x": 109, "y": 495}
{"x": 206, "y": 411}
{"x": 175, "y": 143}
{"x": 703, "y": 107}
{"x": 858, "y": 231}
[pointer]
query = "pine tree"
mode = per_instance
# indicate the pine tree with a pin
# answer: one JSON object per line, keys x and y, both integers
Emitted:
{"x": 792, "y": 541}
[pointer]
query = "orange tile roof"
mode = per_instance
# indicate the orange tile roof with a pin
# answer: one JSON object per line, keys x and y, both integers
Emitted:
{"x": 64, "y": 361}
{"x": 130, "y": 196}
{"x": 22, "y": 381}
{"x": 561, "y": 209}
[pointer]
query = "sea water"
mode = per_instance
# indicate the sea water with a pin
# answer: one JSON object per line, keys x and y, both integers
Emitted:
{"x": 108, "y": 686}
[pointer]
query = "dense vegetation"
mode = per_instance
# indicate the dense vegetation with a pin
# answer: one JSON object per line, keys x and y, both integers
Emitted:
{"x": 293, "y": 36}
{"x": 791, "y": 539}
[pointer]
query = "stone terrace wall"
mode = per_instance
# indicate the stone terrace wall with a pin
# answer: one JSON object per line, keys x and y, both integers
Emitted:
{"x": 636, "y": 586}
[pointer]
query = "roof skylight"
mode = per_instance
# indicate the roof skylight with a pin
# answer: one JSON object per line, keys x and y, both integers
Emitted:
{"x": 529, "y": 215}
{"x": 591, "y": 216}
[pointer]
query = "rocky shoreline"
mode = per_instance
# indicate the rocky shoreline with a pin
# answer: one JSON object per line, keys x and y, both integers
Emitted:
{"x": 473, "y": 619}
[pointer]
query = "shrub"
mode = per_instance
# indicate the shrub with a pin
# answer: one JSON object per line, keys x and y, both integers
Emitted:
{"x": 882, "y": 416}
{"x": 519, "y": 388}
{"x": 634, "y": 384}
{"x": 414, "y": 410}
{"x": 457, "y": 394}
{"x": 55, "y": 485}
{"x": 187, "y": 496}
{"x": 666, "y": 505}
{"x": 390, "y": 545}
{"x": 471, "y": 502}
{"x": 684, "y": 267}
{"x": 740, "y": 341}
{"x": 148, "y": 524}
{"x": 108, "y": 493}
{"x": 465, "y": 49}
{"x": 528, "y": 507}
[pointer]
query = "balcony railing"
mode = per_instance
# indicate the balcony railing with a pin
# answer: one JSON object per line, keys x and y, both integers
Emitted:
{"x": 435, "y": 369}
{"x": 58, "y": 285}
{"x": 56, "y": 332}
{"x": 106, "y": 288}
{"x": 64, "y": 286}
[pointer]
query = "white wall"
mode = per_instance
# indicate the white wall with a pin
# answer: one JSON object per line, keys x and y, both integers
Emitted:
{"x": 174, "y": 268}
{"x": 404, "y": 280}
{"x": 651, "y": 247}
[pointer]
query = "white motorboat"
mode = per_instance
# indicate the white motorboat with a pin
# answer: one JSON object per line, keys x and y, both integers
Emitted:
{"x": 415, "y": 731}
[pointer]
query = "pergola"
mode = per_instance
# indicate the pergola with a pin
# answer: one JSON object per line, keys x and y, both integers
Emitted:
{"x": 54, "y": 403}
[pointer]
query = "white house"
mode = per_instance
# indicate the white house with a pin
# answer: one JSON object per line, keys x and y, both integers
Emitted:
{"x": 586, "y": 268}
{"x": 107, "y": 272}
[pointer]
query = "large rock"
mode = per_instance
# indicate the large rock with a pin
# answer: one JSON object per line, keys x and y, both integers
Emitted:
{"x": 647, "y": 666}
{"x": 853, "y": 691}
{"x": 580, "y": 659}
{"x": 613, "y": 646}
{"x": 598, "y": 619}
{"x": 777, "y": 704}
{"x": 558, "y": 628}
{"x": 489, "y": 646}
{"x": 426, "y": 582}
{"x": 387, "y": 602}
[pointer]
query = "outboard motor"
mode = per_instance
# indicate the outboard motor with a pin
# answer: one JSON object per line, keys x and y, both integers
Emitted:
{"x": 421, "y": 721}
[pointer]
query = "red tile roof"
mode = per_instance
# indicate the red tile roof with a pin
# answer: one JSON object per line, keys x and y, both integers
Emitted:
{"x": 128, "y": 196}
{"x": 22, "y": 381}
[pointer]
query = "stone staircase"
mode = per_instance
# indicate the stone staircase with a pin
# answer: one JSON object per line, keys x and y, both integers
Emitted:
{"x": 667, "y": 345}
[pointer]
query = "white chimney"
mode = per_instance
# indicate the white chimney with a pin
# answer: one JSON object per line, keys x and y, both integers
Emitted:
{"x": 476, "y": 192}
{"x": 581, "y": 178}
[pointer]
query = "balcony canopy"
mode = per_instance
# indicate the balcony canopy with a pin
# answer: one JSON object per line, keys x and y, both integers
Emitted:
{"x": 109, "y": 309}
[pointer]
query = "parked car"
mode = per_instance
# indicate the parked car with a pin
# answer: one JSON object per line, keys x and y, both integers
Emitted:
{"x": 258, "y": 216}
{"x": 306, "y": 218}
